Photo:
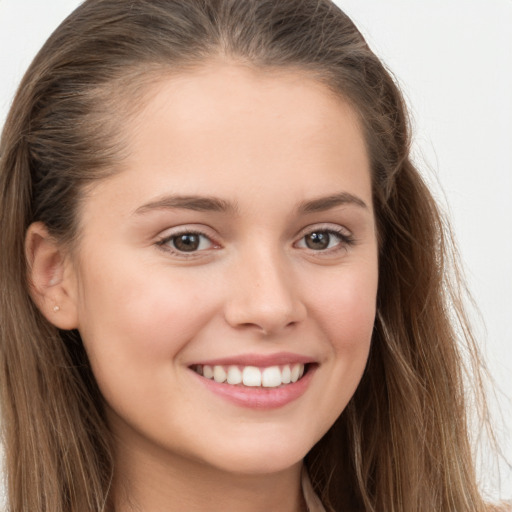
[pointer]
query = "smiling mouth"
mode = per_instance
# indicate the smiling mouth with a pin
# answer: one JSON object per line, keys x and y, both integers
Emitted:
{"x": 253, "y": 376}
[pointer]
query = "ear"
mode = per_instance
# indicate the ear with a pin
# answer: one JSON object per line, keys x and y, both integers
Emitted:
{"x": 52, "y": 278}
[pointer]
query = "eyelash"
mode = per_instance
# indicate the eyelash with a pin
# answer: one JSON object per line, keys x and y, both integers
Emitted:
{"x": 345, "y": 241}
{"x": 164, "y": 243}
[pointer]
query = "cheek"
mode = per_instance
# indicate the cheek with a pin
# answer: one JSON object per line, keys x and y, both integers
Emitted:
{"x": 346, "y": 309}
{"x": 147, "y": 316}
{"x": 343, "y": 308}
{"x": 135, "y": 329}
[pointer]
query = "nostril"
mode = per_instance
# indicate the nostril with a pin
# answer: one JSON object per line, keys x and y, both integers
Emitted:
{"x": 265, "y": 318}
{"x": 266, "y": 328}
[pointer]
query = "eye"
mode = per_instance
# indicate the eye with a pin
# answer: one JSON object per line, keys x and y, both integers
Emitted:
{"x": 324, "y": 239}
{"x": 186, "y": 242}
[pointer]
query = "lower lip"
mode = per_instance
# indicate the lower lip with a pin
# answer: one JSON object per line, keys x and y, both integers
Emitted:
{"x": 259, "y": 397}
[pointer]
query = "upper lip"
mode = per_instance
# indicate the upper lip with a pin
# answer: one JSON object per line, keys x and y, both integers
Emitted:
{"x": 260, "y": 360}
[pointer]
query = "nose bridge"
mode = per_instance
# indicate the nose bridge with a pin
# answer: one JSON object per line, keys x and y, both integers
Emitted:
{"x": 264, "y": 293}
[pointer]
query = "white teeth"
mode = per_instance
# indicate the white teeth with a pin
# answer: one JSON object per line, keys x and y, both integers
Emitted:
{"x": 219, "y": 374}
{"x": 295, "y": 372}
{"x": 271, "y": 377}
{"x": 252, "y": 376}
{"x": 286, "y": 375}
{"x": 234, "y": 375}
{"x": 208, "y": 372}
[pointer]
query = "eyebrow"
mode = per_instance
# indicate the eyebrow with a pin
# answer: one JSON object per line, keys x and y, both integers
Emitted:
{"x": 215, "y": 204}
{"x": 196, "y": 203}
{"x": 323, "y": 204}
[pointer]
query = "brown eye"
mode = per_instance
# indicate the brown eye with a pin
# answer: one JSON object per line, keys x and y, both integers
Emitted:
{"x": 325, "y": 240}
{"x": 189, "y": 242}
{"x": 186, "y": 243}
{"x": 318, "y": 240}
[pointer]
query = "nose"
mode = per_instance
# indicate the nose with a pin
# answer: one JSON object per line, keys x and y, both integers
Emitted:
{"x": 263, "y": 295}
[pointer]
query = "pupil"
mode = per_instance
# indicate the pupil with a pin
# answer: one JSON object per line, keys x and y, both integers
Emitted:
{"x": 318, "y": 241}
{"x": 187, "y": 243}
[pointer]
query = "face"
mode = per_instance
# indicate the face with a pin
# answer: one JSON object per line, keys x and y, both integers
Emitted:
{"x": 226, "y": 278}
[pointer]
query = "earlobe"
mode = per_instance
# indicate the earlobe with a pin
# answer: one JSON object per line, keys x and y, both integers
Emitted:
{"x": 51, "y": 277}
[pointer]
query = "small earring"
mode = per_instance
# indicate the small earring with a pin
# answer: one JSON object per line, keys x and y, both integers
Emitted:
{"x": 56, "y": 309}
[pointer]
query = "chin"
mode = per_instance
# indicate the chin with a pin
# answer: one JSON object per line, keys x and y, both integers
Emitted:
{"x": 262, "y": 455}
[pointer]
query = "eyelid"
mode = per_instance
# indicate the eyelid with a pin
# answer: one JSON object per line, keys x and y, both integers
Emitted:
{"x": 325, "y": 226}
{"x": 344, "y": 234}
{"x": 193, "y": 229}
{"x": 346, "y": 237}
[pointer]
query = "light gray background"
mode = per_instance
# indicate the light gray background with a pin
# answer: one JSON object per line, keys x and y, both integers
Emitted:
{"x": 453, "y": 59}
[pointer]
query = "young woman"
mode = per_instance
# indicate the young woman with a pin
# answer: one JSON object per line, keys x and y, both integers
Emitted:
{"x": 223, "y": 283}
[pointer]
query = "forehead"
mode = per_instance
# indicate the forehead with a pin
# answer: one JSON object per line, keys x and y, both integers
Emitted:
{"x": 227, "y": 129}
{"x": 243, "y": 95}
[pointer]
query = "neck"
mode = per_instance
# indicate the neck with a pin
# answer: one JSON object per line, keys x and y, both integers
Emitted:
{"x": 147, "y": 482}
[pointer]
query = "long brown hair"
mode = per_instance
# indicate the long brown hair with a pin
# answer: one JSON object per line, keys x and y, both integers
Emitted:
{"x": 402, "y": 443}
